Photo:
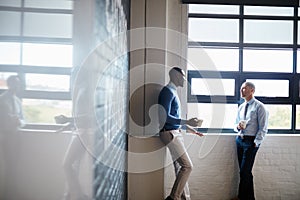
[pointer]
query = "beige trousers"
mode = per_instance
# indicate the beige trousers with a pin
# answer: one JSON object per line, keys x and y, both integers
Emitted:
{"x": 182, "y": 163}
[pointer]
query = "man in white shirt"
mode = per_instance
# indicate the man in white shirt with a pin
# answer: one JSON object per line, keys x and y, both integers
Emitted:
{"x": 11, "y": 106}
{"x": 251, "y": 125}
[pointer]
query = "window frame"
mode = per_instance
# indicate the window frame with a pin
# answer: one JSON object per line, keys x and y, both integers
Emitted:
{"x": 240, "y": 76}
{"x": 22, "y": 69}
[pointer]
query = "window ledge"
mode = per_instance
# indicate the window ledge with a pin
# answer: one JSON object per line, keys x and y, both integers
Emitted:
{"x": 44, "y": 128}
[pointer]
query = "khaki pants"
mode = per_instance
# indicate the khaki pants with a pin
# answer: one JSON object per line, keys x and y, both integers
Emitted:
{"x": 182, "y": 163}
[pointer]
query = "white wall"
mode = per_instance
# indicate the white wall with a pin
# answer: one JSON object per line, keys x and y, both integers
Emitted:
{"x": 39, "y": 173}
{"x": 37, "y": 167}
{"x": 215, "y": 175}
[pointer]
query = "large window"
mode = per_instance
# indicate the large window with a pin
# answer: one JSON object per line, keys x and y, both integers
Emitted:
{"x": 230, "y": 44}
{"x": 36, "y": 44}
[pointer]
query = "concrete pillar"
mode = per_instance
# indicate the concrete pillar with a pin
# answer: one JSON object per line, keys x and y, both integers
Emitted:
{"x": 150, "y": 62}
{"x": 177, "y": 42}
{"x": 147, "y": 61}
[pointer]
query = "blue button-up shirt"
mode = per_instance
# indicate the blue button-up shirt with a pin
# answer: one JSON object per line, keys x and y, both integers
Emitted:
{"x": 169, "y": 100}
{"x": 257, "y": 120}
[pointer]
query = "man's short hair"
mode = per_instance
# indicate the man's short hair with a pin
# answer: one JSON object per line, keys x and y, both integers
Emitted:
{"x": 11, "y": 80}
{"x": 250, "y": 84}
{"x": 175, "y": 70}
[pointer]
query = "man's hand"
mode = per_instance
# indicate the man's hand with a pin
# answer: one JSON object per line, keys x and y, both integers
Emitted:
{"x": 199, "y": 134}
{"x": 62, "y": 119}
{"x": 192, "y": 122}
{"x": 16, "y": 122}
{"x": 192, "y": 130}
{"x": 242, "y": 125}
{"x": 255, "y": 145}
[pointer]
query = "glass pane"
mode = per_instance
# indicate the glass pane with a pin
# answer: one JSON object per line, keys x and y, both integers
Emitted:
{"x": 44, "y": 111}
{"x": 212, "y": 86}
{"x": 298, "y": 32}
{"x": 299, "y": 89}
{"x": 268, "y": 11}
{"x": 268, "y": 60}
{"x": 280, "y": 116}
{"x": 298, "y": 61}
{"x": 271, "y": 88}
{"x": 47, "y": 82}
{"x": 3, "y": 77}
{"x": 50, "y": 4}
{"x": 48, "y": 25}
{"x": 297, "y": 116}
{"x": 9, "y": 53}
{"x": 47, "y": 55}
{"x": 11, "y": 3}
{"x": 213, "y": 30}
{"x": 268, "y": 31}
{"x": 213, "y": 59}
{"x": 10, "y": 23}
{"x": 213, "y": 9}
{"x": 213, "y": 115}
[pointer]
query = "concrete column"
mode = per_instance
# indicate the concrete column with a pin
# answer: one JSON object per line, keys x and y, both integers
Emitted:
{"x": 154, "y": 49}
{"x": 137, "y": 67}
{"x": 147, "y": 76}
{"x": 147, "y": 61}
{"x": 177, "y": 42}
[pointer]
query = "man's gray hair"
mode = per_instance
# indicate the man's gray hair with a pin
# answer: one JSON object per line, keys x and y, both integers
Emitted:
{"x": 250, "y": 84}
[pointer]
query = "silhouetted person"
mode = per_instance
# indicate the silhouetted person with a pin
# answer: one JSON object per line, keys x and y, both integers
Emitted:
{"x": 83, "y": 123}
{"x": 11, "y": 119}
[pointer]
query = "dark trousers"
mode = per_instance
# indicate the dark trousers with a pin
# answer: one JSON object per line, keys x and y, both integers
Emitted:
{"x": 246, "y": 152}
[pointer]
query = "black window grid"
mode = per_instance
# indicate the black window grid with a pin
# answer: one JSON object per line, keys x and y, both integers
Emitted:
{"x": 21, "y": 69}
{"x": 240, "y": 76}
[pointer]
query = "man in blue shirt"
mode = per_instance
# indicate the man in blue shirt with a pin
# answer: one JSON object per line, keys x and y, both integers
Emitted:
{"x": 170, "y": 133}
{"x": 251, "y": 125}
